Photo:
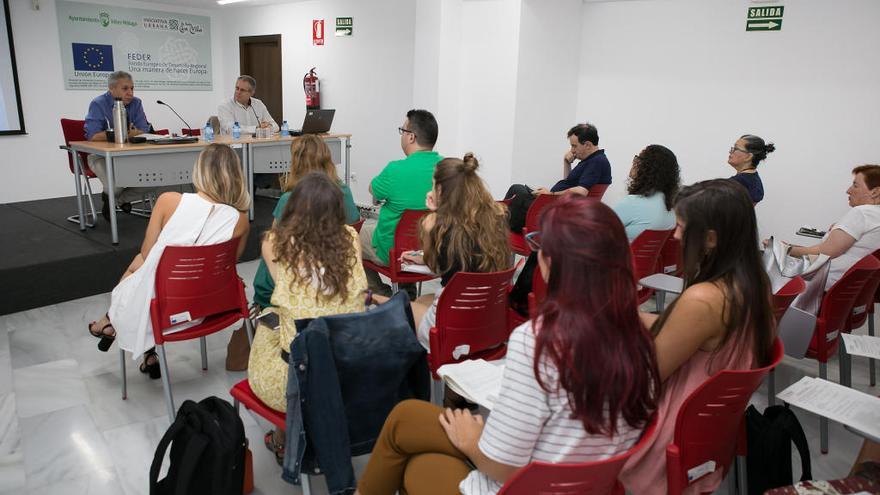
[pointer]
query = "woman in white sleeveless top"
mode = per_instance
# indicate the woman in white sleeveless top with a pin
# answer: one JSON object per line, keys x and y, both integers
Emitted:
{"x": 215, "y": 213}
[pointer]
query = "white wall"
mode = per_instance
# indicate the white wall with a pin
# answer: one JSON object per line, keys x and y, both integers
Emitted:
{"x": 547, "y": 91}
{"x": 687, "y": 75}
{"x": 367, "y": 77}
{"x": 33, "y": 166}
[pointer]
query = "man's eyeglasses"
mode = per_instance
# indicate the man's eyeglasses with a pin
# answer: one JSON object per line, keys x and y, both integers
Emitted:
{"x": 401, "y": 130}
{"x": 734, "y": 148}
{"x": 533, "y": 239}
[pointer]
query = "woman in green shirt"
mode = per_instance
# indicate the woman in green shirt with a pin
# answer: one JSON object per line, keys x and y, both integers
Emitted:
{"x": 308, "y": 153}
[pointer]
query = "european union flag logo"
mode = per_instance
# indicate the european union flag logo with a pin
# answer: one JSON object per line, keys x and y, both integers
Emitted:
{"x": 87, "y": 56}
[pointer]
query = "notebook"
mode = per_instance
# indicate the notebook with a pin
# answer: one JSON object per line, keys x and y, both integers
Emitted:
{"x": 476, "y": 380}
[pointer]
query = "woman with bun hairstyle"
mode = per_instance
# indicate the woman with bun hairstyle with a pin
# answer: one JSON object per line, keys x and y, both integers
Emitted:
{"x": 466, "y": 231}
{"x": 744, "y": 157}
{"x": 566, "y": 394}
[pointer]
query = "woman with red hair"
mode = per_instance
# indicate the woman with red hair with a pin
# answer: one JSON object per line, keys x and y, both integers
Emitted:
{"x": 567, "y": 393}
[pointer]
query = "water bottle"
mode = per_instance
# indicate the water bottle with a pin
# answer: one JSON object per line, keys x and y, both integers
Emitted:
{"x": 285, "y": 131}
{"x": 120, "y": 122}
{"x": 236, "y": 131}
{"x": 209, "y": 132}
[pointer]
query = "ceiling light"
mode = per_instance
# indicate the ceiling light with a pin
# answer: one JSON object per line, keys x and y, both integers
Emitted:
{"x": 224, "y": 2}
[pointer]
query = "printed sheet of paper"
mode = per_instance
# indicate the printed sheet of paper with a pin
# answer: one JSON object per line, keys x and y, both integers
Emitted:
{"x": 415, "y": 268}
{"x": 836, "y": 402}
{"x": 476, "y": 380}
{"x": 862, "y": 345}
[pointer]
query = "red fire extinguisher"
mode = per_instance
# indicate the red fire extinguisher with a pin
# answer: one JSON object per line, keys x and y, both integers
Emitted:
{"x": 312, "y": 88}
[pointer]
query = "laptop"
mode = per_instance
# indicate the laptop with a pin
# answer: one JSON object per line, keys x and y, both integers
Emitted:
{"x": 316, "y": 122}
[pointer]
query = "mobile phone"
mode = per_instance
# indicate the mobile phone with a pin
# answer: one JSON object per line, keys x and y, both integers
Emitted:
{"x": 270, "y": 319}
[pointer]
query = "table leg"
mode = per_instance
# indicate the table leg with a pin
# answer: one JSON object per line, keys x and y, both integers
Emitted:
{"x": 111, "y": 194}
{"x": 77, "y": 174}
{"x": 248, "y": 166}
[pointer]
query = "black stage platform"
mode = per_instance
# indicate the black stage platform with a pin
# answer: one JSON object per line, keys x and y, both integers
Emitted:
{"x": 44, "y": 259}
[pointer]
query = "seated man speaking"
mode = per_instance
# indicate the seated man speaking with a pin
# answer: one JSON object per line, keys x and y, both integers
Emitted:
{"x": 592, "y": 169}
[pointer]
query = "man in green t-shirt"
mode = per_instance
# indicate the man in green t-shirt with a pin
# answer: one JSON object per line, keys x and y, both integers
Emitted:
{"x": 402, "y": 185}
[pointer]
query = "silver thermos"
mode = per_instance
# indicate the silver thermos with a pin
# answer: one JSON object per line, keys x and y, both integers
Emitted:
{"x": 120, "y": 122}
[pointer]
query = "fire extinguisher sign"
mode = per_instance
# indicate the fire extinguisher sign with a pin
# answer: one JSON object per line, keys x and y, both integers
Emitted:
{"x": 318, "y": 32}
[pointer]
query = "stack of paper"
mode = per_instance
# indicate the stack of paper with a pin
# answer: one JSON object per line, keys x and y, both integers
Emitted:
{"x": 836, "y": 402}
{"x": 477, "y": 380}
{"x": 416, "y": 268}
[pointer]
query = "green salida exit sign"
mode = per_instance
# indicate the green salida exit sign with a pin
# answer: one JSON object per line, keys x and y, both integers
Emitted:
{"x": 764, "y": 18}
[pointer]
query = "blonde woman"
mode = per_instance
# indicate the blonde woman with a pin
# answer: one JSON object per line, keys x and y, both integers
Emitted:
{"x": 215, "y": 213}
{"x": 308, "y": 153}
{"x": 315, "y": 260}
{"x": 466, "y": 231}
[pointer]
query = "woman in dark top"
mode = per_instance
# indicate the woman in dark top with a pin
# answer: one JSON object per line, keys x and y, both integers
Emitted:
{"x": 465, "y": 231}
{"x": 744, "y": 157}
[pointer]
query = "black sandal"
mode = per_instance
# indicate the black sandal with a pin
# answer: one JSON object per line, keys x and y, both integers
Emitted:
{"x": 106, "y": 340}
{"x": 274, "y": 447}
{"x": 153, "y": 368}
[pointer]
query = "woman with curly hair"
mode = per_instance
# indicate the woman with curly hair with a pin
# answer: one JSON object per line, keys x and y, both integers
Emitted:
{"x": 653, "y": 183}
{"x": 466, "y": 231}
{"x": 315, "y": 260}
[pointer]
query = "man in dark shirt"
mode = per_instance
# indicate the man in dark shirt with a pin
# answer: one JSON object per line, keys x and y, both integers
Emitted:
{"x": 593, "y": 169}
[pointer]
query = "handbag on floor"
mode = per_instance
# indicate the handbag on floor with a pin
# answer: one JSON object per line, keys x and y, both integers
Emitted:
{"x": 238, "y": 350}
{"x": 770, "y": 436}
{"x": 208, "y": 451}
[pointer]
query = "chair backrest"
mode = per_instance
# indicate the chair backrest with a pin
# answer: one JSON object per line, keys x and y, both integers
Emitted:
{"x": 597, "y": 191}
{"x": 194, "y": 282}
{"x": 357, "y": 225}
{"x": 472, "y": 311}
{"x": 783, "y": 297}
{"x": 670, "y": 257}
{"x": 709, "y": 421}
{"x": 406, "y": 234}
{"x": 75, "y": 130}
{"x": 534, "y": 214}
{"x": 864, "y": 304}
{"x": 583, "y": 478}
{"x": 646, "y": 251}
{"x": 539, "y": 291}
{"x": 837, "y": 305}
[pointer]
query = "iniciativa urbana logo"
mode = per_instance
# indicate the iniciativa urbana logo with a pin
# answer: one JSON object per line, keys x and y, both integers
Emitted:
{"x": 105, "y": 19}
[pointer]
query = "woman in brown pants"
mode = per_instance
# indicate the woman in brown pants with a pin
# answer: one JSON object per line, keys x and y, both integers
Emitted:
{"x": 566, "y": 394}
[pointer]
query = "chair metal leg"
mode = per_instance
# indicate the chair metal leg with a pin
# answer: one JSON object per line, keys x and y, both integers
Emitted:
{"x": 771, "y": 387}
{"x": 742, "y": 477}
{"x": 249, "y": 329}
{"x": 731, "y": 481}
{"x": 166, "y": 382}
{"x": 872, "y": 378}
{"x": 395, "y": 287}
{"x": 843, "y": 362}
{"x": 437, "y": 391}
{"x": 92, "y": 210}
{"x": 237, "y": 405}
{"x": 81, "y": 217}
{"x": 122, "y": 368}
{"x": 661, "y": 300}
{"x": 203, "y": 346}
{"x": 306, "y": 484}
{"x": 823, "y": 421}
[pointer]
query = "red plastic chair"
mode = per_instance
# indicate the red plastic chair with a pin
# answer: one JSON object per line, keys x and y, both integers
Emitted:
{"x": 709, "y": 424}
{"x": 670, "y": 258}
{"x": 406, "y": 238}
{"x": 864, "y": 310}
{"x": 201, "y": 282}
{"x": 74, "y": 130}
{"x": 538, "y": 293}
{"x": 585, "y": 478}
{"x": 242, "y": 394}
{"x": 645, "y": 253}
{"x": 472, "y": 311}
{"x": 833, "y": 318}
{"x": 597, "y": 191}
{"x": 518, "y": 242}
{"x": 357, "y": 225}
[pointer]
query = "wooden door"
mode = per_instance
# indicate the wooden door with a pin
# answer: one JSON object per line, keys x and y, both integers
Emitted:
{"x": 261, "y": 59}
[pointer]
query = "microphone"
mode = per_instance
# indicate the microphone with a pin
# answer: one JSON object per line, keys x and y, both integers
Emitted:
{"x": 188, "y": 128}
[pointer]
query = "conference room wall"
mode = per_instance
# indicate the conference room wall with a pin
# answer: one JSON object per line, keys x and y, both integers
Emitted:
{"x": 33, "y": 166}
{"x": 367, "y": 77}
{"x": 687, "y": 75}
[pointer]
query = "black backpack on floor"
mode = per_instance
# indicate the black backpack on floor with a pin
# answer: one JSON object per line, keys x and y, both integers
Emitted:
{"x": 770, "y": 436}
{"x": 207, "y": 451}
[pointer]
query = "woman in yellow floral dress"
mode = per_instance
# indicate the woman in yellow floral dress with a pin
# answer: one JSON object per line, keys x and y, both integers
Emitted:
{"x": 315, "y": 260}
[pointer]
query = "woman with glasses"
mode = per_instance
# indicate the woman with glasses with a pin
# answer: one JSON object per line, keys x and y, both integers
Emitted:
{"x": 465, "y": 232}
{"x": 653, "y": 183}
{"x": 744, "y": 157}
{"x": 722, "y": 320}
{"x": 566, "y": 395}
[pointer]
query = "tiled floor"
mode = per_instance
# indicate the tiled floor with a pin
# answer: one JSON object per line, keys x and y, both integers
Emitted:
{"x": 64, "y": 428}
